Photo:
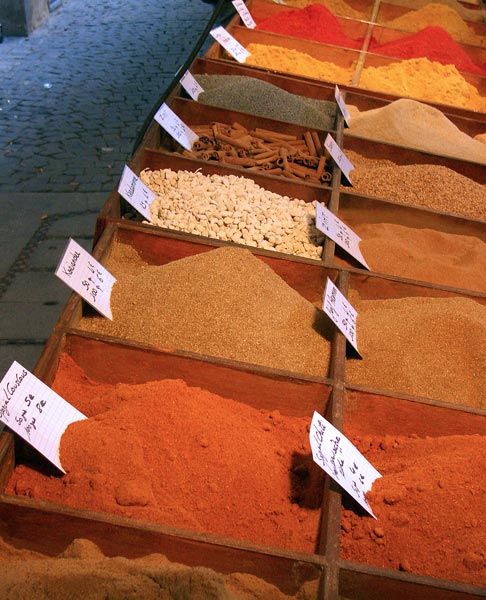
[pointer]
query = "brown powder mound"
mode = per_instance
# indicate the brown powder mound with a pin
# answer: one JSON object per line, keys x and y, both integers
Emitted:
{"x": 225, "y": 303}
{"x": 82, "y": 572}
{"x": 432, "y": 347}
{"x": 184, "y": 457}
{"x": 424, "y": 254}
{"x": 430, "y": 506}
{"x": 428, "y": 186}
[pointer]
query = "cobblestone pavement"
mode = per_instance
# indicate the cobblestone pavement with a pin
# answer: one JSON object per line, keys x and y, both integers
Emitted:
{"x": 73, "y": 97}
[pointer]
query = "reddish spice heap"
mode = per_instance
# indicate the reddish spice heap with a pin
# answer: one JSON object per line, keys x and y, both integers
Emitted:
{"x": 184, "y": 457}
{"x": 433, "y": 43}
{"x": 430, "y": 506}
{"x": 315, "y": 22}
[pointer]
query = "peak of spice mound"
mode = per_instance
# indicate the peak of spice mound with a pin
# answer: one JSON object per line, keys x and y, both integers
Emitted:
{"x": 423, "y": 79}
{"x": 184, "y": 457}
{"x": 428, "y": 186}
{"x": 424, "y": 254}
{"x": 314, "y": 22}
{"x": 430, "y": 506}
{"x": 433, "y": 43}
{"x": 153, "y": 577}
{"x": 247, "y": 94}
{"x": 226, "y": 303}
{"x": 215, "y": 206}
{"x": 287, "y": 60}
{"x": 413, "y": 124}
{"x": 437, "y": 14}
{"x": 429, "y": 347}
{"x": 337, "y": 7}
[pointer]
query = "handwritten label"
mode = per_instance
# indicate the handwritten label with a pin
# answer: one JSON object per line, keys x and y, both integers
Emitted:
{"x": 183, "y": 134}
{"x": 342, "y": 105}
{"x": 135, "y": 192}
{"x": 35, "y": 412}
{"x": 191, "y": 86}
{"x": 87, "y": 277}
{"x": 341, "y": 460}
{"x": 232, "y": 46}
{"x": 339, "y": 157}
{"x": 339, "y": 232}
{"x": 244, "y": 13}
{"x": 339, "y": 310}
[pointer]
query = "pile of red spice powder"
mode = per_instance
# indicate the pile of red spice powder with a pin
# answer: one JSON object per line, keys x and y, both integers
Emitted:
{"x": 430, "y": 506}
{"x": 433, "y": 43}
{"x": 181, "y": 456}
{"x": 314, "y": 22}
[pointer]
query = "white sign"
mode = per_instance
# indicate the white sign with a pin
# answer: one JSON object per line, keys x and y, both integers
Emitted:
{"x": 341, "y": 460}
{"x": 35, "y": 412}
{"x": 191, "y": 86}
{"x": 244, "y": 13}
{"x": 183, "y": 134}
{"x": 339, "y": 157}
{"x": 135, "y": 192}
{"x": 87, "y": 277}
{"x": 339, "y": 232}
{"x": 338, "y": 309}
{"x": 342, "y": 105}
{"x": 237, "y": 51}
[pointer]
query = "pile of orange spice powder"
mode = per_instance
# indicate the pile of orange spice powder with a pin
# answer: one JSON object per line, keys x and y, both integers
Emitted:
{"x": 181, "y": 456}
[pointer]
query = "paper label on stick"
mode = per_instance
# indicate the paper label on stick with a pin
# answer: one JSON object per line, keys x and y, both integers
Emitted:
{"x": 232, "y": 46}
{"x": 135, "y": 192}
{"x": 339, "y": 232}
{"x": 341, "y": 460}
{"x": 191, "y": 86}
{"x": 342, "y": 105}
{"x": 244, "y": 13}
{"x": 175, "y": 127}
{"x": 338, "y": 156}
{"x": 35, "y": 412}
{"x": 87, "y": 277}
{"x": 339, "y": 310}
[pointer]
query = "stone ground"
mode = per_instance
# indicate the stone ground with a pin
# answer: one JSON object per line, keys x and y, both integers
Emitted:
{"x": 73, "y": 97}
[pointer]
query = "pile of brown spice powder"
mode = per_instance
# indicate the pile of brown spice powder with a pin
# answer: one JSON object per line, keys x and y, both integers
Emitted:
{"x": 430, "y": 347}
{"x": 430, "y": 506}
{"x": 428, "y": 186}
{"x": 168, "y": 453}
{"x": 225, "y": 303}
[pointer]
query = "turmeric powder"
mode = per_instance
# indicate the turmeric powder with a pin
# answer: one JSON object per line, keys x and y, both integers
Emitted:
{"x": 292, "y": 61}
{"x": 425, "y": 80}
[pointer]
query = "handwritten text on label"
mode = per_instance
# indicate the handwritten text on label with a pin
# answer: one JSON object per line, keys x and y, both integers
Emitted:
{"x": 35, "y": 412}
{"x": 191, "y": 86}
{"x": 338, "y": 156}
{"x": 341, "y": 460}
{"x": 232, "y": 46}
{"x": 342, "y": 105}
{"x": 175, "y": 127}
{"x": 135, "y": 192}
{"x": 244, "y": 13}
{"x": 87, "y": 277}
{"x": 339, "y": 310}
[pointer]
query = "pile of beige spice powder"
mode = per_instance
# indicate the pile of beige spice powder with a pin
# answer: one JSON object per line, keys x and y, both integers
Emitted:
{"x": 225, "y": 303}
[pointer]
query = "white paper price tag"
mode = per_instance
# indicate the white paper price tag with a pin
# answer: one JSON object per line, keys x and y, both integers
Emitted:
{"x": 244, "y": 13}
{"x": 339, "y": 157}
{"x": 35, "y": 412}
{"x": 339, "y": 310}
{"x": 191, "y": 86}
{"x": 342, "y": 105}
{"x": 237, "y": 51}
{"x": 87, "y": 277}
{"x": 339, "y": 232}
{"x": 341, "y": 460}
{"x": 135, "y": 192}
{"x": 279, "y": 2}
{"x": 183, "y": 134}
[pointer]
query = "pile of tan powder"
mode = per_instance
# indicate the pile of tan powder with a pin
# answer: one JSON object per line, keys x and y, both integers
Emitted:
{"x": 428, "y": 186}
{"x": 225, "y": 303}
{"x": 430, "y": 347}
{"x": 416, "y": 125}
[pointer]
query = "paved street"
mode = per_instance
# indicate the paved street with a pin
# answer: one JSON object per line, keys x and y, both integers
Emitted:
{"x": 73, "y": 97}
